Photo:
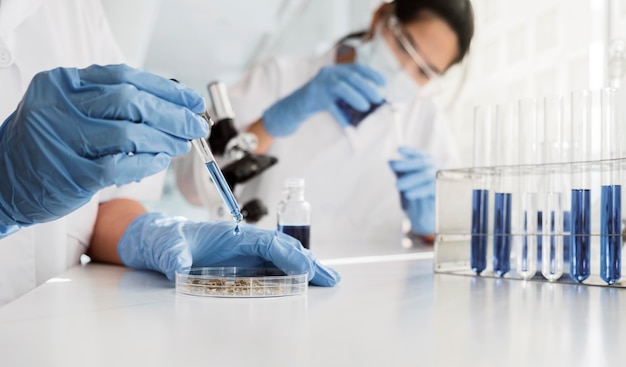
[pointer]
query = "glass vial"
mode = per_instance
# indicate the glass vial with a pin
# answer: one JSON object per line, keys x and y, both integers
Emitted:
{"x": 483, "y": 162}
{"x": 580, "y": 236}
{"x": 294, "y": 212}
{"x": 527, "y": 243}
{"x": 611, "y": 194}
{"x": 503, "y": 198}
{"x": 552, "y": 212}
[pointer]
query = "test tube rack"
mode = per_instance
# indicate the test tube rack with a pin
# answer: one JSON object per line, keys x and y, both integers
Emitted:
{"x": 502, "y": 251}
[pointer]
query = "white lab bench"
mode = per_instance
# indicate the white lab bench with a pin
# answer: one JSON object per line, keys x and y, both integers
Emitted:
{"x": 387, "y": 311}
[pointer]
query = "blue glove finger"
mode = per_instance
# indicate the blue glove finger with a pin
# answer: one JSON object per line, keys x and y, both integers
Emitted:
{"x": 417, "y": 179}
{"x": 369, "y": 73}
{"x": 286, "y": 253}
{"x": 289, "y": 251}
{"x": 361, "y": 85}
{"x": 121, "y": 169}
{"x": 325, "y": 277}
{"x": 411, "y": 165}
{"x": 125, "y": 102}
{"x": 143, "y": 80}
{"x": 113, "y": 137}
{"x": 351, "y": 96}
{"x": 411, "y": 152}
{"x": 421, "y": 192}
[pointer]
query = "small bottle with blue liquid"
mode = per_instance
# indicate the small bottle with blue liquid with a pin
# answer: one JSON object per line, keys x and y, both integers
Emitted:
{"x": 294, "y": 212}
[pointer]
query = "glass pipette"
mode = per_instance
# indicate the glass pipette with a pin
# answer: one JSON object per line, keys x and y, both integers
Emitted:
{"x": 202, "y": 147}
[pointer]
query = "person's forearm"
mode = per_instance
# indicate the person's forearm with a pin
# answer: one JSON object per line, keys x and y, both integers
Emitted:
{"x": 113, "y": 218}
{"x": 264, "y": 138}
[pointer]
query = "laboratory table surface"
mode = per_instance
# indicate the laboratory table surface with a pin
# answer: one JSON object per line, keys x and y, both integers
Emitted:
{"x": 389, "y": 310}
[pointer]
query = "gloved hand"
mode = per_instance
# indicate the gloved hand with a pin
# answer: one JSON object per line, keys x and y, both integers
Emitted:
{"x": 78, "y": 131}
{"x": 167, "y": 244}
{"x": 351, "y": 83}
{"x": 416, "y": 182}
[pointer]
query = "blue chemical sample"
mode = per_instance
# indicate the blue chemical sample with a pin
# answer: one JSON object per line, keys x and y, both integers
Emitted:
{"x": 610, "y": 233}
{"x": 580, "y": 239}
{"x": 480, "y": 212}
{"x": 225, "y": 193}
{"x": 502, "y": 234}
{"x": 301, "y": 233}
{"x": 353, "y": 116}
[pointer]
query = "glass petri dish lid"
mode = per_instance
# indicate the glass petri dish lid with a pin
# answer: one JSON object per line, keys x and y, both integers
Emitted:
{"x": 240, "y": 282}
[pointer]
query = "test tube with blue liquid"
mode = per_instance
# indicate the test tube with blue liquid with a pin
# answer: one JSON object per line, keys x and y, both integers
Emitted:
{"x": 611, "y": 192}
{"x": 482, "y": 159}
{"x": 552, "y": 205}
{"x": 503, "y": 197}
{"x": 354, "y": 116}
{"x": 526, "y": 243}
{"x": 580, "y": 236}
{"x": 202, "y": 147}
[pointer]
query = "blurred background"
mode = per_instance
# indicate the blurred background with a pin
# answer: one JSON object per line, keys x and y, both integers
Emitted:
{"x": 521, "y": 48}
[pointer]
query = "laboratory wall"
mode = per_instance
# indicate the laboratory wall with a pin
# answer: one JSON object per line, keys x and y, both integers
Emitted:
{"x": 528, "y": 48}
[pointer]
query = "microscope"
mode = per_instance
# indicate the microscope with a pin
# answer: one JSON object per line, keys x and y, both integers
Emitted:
{"x": 234, "y": 151}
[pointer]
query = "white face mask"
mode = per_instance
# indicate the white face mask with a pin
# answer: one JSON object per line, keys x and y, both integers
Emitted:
{"x": 399, "y": 86}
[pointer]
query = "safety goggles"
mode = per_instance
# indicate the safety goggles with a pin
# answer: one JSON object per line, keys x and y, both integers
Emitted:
{"x": 407, "y": 46}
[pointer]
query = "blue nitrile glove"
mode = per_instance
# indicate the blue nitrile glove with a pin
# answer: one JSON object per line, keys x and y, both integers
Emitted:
{"x": 167, "y": 244}
{"x": 416, "y": 182}
{"x": 351, "y": 83}
{"x": 78, "y": 131}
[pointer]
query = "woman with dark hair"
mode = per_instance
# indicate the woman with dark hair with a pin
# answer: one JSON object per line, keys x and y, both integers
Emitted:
{"x": 342, "y": 120}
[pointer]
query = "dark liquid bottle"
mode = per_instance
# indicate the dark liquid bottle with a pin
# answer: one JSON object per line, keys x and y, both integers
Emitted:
{"x": 353, "y": 116}
{"x": 294, "y": 212}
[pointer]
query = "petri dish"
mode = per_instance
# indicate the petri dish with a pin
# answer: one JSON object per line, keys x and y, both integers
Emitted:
{"x": 238, "y": 282}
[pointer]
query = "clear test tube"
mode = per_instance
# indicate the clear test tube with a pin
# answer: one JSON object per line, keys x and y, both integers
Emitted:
{"x": 503, "y": 196}
{"x": 552, "y": 211}
{"x": 526, "y": 244}
{"x": 482, "y": 162}
{"x": 580, "y": 236}
{"x": 611, "y": 194}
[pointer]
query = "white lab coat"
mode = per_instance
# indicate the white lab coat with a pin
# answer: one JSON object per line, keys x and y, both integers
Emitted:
{"x": 37, "y": 35}
{"x": 348, "y": 180}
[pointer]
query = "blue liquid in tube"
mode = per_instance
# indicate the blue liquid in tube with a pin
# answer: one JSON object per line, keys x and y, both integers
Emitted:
{"x": 610, "y": 233}
{"x": 502, "y": 234}
{"x": 580, "y": 239}
{"x": 524, "y": 253}
{"x": 480, "y": 212}
{"x": 225, "y": 193}
{"x": 353, "y": 116}
{"x": 301, "y": 233}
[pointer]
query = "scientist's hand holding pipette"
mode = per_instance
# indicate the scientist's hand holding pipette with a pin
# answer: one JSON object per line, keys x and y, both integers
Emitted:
{"x": 353, "y": 84}
{"x": 416, "y": 183}
{"x": 77, "y": 131}
{"x": 167, "y": 244}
